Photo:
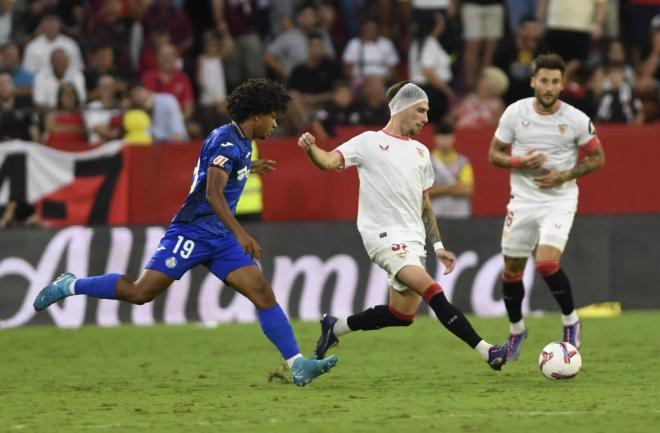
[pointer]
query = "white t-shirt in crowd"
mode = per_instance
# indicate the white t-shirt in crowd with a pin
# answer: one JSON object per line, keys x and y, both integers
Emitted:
{"x": 432, "y": 56}
{"x": 371, "y": 58}
{"x": 46, "y": 85}
{"x": 558, "y": 135}
{"x": 37, "y": 53}
{"x": 394, "y": 172}
{"x": 572, "y": 15}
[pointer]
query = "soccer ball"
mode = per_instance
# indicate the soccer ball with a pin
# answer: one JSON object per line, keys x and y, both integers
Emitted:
{"x": 560, "y": 360}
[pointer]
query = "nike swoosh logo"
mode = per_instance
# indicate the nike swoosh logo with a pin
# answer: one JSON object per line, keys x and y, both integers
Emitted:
{"x": 161, "y": 249}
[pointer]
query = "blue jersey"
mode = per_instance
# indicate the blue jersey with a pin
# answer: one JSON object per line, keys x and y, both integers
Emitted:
{"x": 227, "y": 149}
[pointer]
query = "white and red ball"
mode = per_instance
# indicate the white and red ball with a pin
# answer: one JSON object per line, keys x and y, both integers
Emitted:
{"x": 560, "y": 360}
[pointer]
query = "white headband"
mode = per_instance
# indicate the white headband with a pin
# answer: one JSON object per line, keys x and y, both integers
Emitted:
{"x": 406, "y": 97}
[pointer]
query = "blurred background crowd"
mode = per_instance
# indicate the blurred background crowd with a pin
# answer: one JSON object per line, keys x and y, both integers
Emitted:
{"x": 159, "y": 70}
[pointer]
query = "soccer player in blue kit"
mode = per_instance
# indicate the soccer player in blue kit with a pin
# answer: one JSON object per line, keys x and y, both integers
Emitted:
{"x": 205, "y": 231}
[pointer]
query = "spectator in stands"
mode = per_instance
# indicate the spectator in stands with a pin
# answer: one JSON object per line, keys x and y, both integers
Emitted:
{"x": 578, "y": 88}
{"x": 483, "y": 27}
{"x": 619, "y": 102}
{"x": 422, "y": 9}
{"x": 311, "y": 83}
{"x": 10, "y": 61}
{"x": 572, "y": 25}
{"x": 6, "y": 20}
{"x": 18, "y": 117}
{"x": 517, "y": 10}
{"x": 48, "y": 80}
{"x": 65, "y": 124}
{"x": 239, "y": 17}
{"x": 370, "y": 55}
{"x": 211, "y": 79}
{"x": 162, "y": 14}
{"x": 485, "y": 105}
{"x": 291, "y": 47}
{"x": 38, "y": 52}
{"x": 372, "y": 108}
{"x": 339, "y": 111}
{"x": 103, "y": 115}
{"x": 149, "y": 55}
{"x": 515, "y": 56}
{"x": 648, "y": 83}
{"x": 451, "y": 193}
{"x": 19, "y": 213}
{"x": 168, "y": 78}
{"x": 101, "y": 62}
{"x": 166, "y": 118}
{"x": 112, "y": 32}
{"x": 430, "y": 65}
{"x": 616, "y": 54}
{"x": 73, "y": 14}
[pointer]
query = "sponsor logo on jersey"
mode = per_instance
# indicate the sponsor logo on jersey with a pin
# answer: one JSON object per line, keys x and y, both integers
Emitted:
{"x": 220, "y": 160}
{"x": 227, "y": 144}
{"x": 171, "y": 262}
{"x": 525, "y": 123}
{"x": 384, "y": 148}
{"x": 562, "y": 128}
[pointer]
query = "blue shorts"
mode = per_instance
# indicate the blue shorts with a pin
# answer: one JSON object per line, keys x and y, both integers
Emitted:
{"x": 177, "y": 253}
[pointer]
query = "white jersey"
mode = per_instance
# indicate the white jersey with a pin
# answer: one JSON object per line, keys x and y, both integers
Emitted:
{"x": 394, "y": 172}
{"x": 558, "y": 135}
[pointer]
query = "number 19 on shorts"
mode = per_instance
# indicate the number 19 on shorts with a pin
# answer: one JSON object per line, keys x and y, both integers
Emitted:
{"x": 185, "y": 245}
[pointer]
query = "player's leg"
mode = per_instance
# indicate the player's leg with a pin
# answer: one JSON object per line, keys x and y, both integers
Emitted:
{"x": 400, "y": 312}
{"x": 519, "y": 236}
{"x": 417, "y": 279}
{"x": 555, "y": 228}
{"x": 231, "y": 265}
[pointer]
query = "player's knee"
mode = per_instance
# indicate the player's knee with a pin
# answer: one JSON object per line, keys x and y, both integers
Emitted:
{"x": 141, "y": 296}
{"x": 263, "y": 296}
{"x": 547, "y": 268}
{"x": 400, "y": 318}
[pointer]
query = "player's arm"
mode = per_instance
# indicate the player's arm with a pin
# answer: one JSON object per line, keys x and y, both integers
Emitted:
{"x": 499, "y": 156}
{"x": 433, "y": 234}
{"x": 595, "y": 159}
{"x": 319, "y": 157}
{"x": 215, "y": 186}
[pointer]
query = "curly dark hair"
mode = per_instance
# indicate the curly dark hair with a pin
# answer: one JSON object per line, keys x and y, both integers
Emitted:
{"x": 549, "y": 61}
{"x": 257, "y": 96}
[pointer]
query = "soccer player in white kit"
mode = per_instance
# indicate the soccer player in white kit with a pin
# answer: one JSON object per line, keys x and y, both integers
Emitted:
{"x": 394, "y": 219}
{"x": 545, "y": 136}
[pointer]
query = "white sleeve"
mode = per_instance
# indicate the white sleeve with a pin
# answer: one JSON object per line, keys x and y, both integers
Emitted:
{"x": 505, "y": 132}
{"x": 584, "y": 128}
{"x": 351, "y": 52}
{"x": 352, "y": 151}
{"x": 427, "y": 56}
{"x": 429, "y": 174}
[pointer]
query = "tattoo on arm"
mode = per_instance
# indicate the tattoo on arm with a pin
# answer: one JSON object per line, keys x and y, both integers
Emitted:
{"x": 498, "y": 155}
{"x": 591, "y": 163}
{"x": 430, "y": 223}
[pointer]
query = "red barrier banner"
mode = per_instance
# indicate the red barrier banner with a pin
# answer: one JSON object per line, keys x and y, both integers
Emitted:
{"x": 122, "y": 185}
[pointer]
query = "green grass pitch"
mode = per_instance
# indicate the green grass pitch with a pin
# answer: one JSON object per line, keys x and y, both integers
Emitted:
{"x": 416, "y": 379}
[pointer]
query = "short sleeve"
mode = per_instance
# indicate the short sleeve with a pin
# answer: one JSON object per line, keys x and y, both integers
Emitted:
{"x": 584, "y": 129}
{"x": 505, "y": 132}
{"x": 224, "y": 154}
{"x": 351, "y": 51}
{"x": 428, "y": 173}
{"x": 352, "y": 151}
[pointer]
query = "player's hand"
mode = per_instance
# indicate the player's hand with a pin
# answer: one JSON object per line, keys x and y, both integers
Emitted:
{"x": 448, "y": 259}
{"x": 550, "y": 179}
{"x": 261, "y": 166}
{"x": 306, "y": 141}
{"x": 250, "y": 246}
{"x": 532, "y": 159}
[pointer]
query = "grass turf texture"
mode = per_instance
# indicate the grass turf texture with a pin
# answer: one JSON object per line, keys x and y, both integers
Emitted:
{"x": 417, "y": 379}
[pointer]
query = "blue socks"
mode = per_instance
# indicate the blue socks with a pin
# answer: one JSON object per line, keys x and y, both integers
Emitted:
{"x": 277, "y": 328}
{"x": 103, "y": 286}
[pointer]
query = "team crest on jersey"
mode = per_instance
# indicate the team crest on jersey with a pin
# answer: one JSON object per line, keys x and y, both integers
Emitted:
{"x": 420, "y": 152}
{"x": 562, "y": 128}
{"x": 220, "y": 161}
{"x": 171, "y": 262}
{"x": 525, "y": 123}
{"x": 384, "y": 148}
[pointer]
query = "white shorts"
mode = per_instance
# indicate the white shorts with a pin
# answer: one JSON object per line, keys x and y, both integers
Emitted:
{"x": 482, "y": 21}
{"x": 392, "y": 257}
{"x": 527, "y": 225}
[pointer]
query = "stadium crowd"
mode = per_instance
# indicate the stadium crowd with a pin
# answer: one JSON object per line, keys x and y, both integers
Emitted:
{"x": 160, "y": 70}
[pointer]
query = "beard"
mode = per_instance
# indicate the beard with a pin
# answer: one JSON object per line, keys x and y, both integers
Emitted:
{"x": 539, "y": 98}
